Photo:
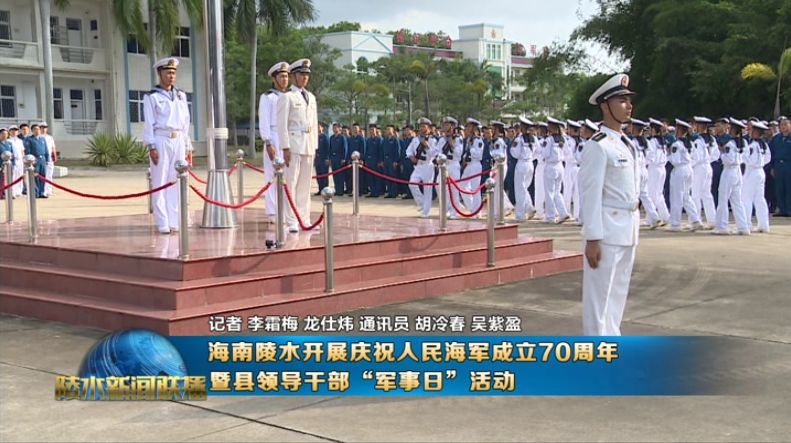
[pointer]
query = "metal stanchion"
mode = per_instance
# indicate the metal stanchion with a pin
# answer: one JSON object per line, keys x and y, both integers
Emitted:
{"x": 490, "y": 222}
{"x": 240, "y": 175}
{"x": 355, "y": 183}
{"x": 150, "y": 200}
{"x": 280, "y": 182}
{"x": 442, "y": 193}
{"x": 9, "y": 177}
{"x": 500, "y": 164}
{"x": 329, "y": 260}
{"x": 184, "y": 246}
{"x": 30, "y": 176}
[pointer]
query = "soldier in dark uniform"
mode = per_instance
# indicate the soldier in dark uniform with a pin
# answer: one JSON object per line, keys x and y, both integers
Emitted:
{"x": 356, "y": 143}
{"x": 322, "y": 160}
{"x": 36, "y": 145}
{"x": 780, "y": 147}
{"x": 339, "y": 148}
{"x": 390, "y": 159}
{"x": 373, "y": 160}
{"x": 406, "y": 164}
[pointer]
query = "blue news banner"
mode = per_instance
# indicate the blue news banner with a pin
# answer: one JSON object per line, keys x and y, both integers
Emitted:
{"x": 450, "y": 365}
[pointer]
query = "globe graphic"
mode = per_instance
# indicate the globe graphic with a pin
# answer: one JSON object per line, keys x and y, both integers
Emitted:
{"x": 134, "y": 352}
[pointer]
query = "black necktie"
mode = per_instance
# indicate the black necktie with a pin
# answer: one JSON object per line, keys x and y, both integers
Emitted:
{"x": 305, "y": 96}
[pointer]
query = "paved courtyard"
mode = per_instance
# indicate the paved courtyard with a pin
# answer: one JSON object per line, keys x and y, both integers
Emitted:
{"x": 683, "y": 284}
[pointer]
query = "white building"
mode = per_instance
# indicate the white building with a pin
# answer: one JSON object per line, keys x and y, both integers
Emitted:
{"x": 99, "y": 75}
{"x": 354, "y": 45}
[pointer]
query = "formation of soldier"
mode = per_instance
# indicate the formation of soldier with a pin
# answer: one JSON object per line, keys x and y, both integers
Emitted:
{"x": 29, "y": 139}
{"x": 703, "y": 168}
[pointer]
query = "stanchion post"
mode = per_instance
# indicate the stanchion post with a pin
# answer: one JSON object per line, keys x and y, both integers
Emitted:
{"x": 30, "y": 176}
{"x": 442, "y": 194}
{"x": 9, "y": 199}
{"x": 329, "y": 259}
{"x": 182, "y": 167}
{"x": 490, "y": 222}
{"x": 150, "y": 200}
{"x": 500, "y": 164}
{"x": 280, "y": 182}
{"x": 355, "y": 183}
{"x": 240, "y": 174}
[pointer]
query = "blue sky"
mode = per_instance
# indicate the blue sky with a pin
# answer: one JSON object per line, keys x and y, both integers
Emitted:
{"x": 527, "y": 21}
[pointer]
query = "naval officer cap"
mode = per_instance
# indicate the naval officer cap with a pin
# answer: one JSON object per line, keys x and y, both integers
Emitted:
{"x": 497, "y": 123}
{"x": 167, "y": 63}
{"x": 638, "y": 122}
{"x": 737, "y": 122}
{"x": 277, "y": 68}
{"x": 573, "y": 124}
{"x": 698, "y": 119}
{"x": 543, "y": 124}
{"x": 554, "y": 121}
{"x": 683, "y": 124}
{"x": 472, "y": 121}
{"x": 760, "y": 125}
{"x": 450, "y": 120}
{"x": 592, "y": 126}
{"x": 424, "y": 121}
{"x": 617, "y": 85}
{"x": 13, "y": 128}
{"x": 301, "y": 65}
{"x": 526, "y": 121}
{"x": 655, "y": 122}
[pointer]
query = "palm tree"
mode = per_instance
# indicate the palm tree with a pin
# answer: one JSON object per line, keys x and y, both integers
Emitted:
{"x": 276, "y": 16}
{"x": 761, "y": 71}
{"x": 163, "y": 22}
{"x": 424, "y": 67}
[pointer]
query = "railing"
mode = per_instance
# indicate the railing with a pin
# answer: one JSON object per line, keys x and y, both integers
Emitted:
{"x": 14, "y": 49}
{"x": 75, "y": 54}
{"x": 6, "y": 122}
{"x": 80, "y": 127}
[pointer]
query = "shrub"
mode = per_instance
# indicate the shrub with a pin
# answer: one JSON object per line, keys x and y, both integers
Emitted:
{"x": 100, "y": 149}
{"x": 128, "y": 150}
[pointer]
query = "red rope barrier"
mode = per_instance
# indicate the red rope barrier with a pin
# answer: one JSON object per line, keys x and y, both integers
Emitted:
{"x": 197, "y": 179}
{"x": 337, "y": 171}
{"x": 247, "y": 202}
{"x": 105, "y": 197}
{"x": 12, "y": 184}
{"x": 296, "y": 213}
{"x": 462, "y": 213}
{"x": 464, "y": 191}
{"x": 396, "y": 180}
{"x": 253, "y": 167}
{"x": 480, "y": 174}
{"x": 232, "y": 170}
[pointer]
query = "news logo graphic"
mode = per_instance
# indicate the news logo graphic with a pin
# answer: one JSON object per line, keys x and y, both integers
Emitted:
{"x": 134, "y": 364}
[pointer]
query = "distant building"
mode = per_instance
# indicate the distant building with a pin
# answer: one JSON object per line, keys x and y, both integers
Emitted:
{"x": 354, "y": 45}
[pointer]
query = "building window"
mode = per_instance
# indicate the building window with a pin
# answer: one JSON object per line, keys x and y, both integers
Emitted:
{"x": 55, "y": 34}
{"x": 136, "y": 106}
{"x": 5, "y": 25}
{"x": 94, "y": 25}
{"x": 7, "y": 101}
{"x": 97, "y": 103}
{"x": 182, "y": 47}
{"x": 133, "y": 46}
{"x": 57, "y": 103}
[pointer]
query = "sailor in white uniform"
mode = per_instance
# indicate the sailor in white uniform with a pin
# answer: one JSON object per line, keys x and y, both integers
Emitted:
{"x": 522, "y": 150}
{"x": 421, "y": 152}
{"x": 756, "y": 158}
{"x": 267, "y": 127}
{"x": 166, "y": 134}
{"x": 452, "y": 146}
{"x": 472, "y": 154}
{"x": 610, "y": 186}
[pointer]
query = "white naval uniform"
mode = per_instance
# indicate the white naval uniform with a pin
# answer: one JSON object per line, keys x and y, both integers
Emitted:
{"x": 571, "y": 192}
{"x": 423, "y": 172}
{"x": 522, "y": 151}
{"x": 19, "y": 164}
{"x": 167, "y": 122}
{"x": 610, "y": 186}
{"x": 297, "y": 128}
{"x": 731, "y": 187}
{"x": 498, "y": 147}
{"x": 553, "y": 178}
{"x": 656, "y": 160}
{"x": 681, "y": 184}
{"x": 453, "y": 151}
{"x": 539, "y": 196}
{"x": 756, "y": 158}
{"x": 640, "y": 145}
{"x": 267, "y": 127}
{"x": 50, "y": 171}
{"x": 702, "y": 176}
{"x": 473, "y": 155}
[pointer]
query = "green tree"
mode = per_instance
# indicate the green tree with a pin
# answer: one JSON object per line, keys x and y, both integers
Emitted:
{"x": 551, "y": 82}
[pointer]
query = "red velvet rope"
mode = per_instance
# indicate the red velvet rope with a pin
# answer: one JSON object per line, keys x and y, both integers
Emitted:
{"x": 105, "y": 197}
{"x": 337, "y": 171}
{"x": 462, "y": 213}
{"x": 464, "y": 191}
{"x": 197, "y": 179}
{"x": 480, "y": 174}
{"x": 299, "y": 219}
{"x": 253, "y": 167}
{"x": 12, "y": 184}
{"x": 396, "y": 180}
{"x": 247, "y": 202}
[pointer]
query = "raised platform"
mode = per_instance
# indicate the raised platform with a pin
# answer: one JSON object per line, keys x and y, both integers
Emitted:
{"x": 118, "y": 272}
